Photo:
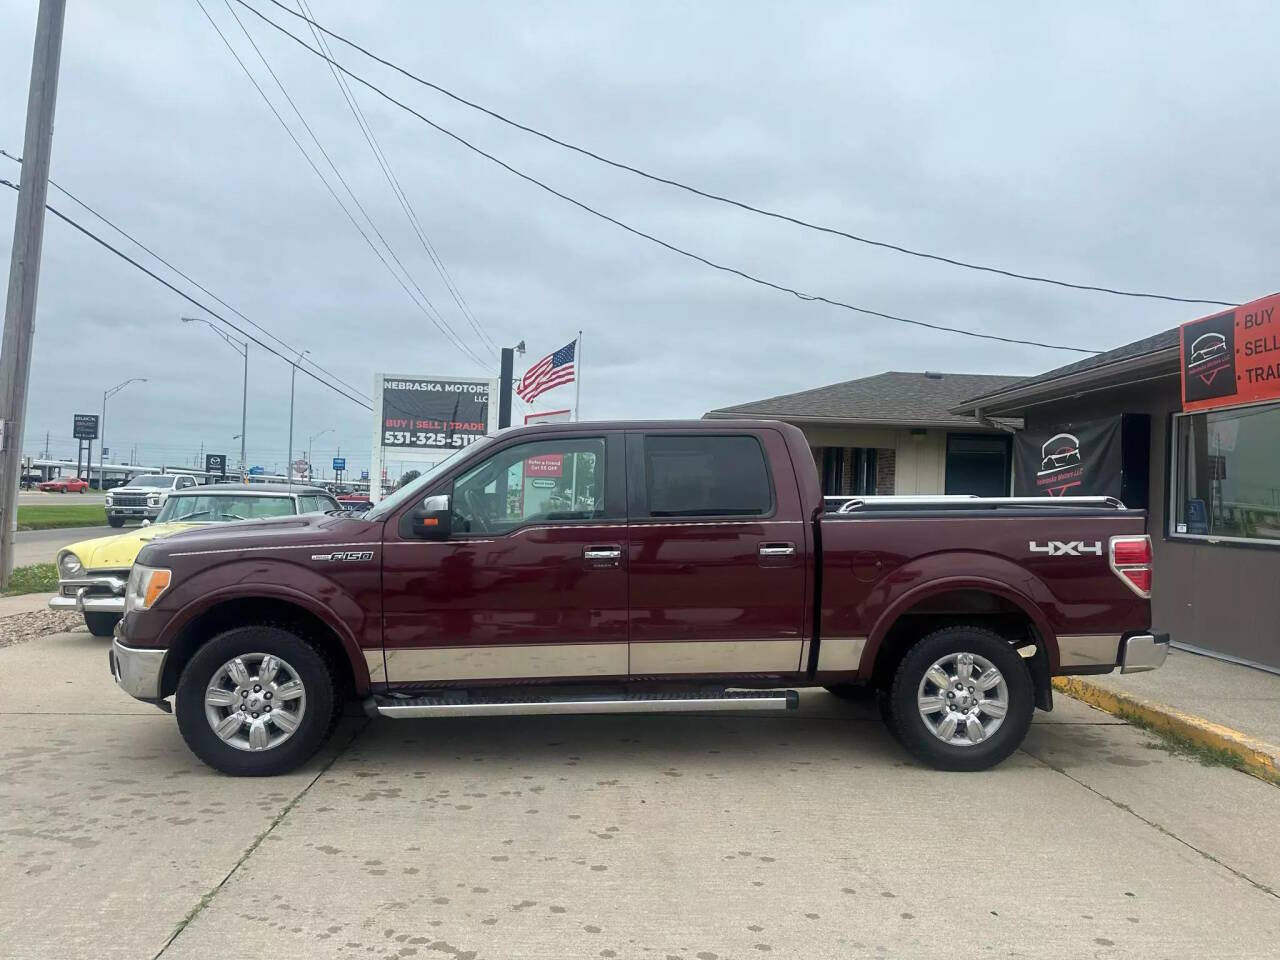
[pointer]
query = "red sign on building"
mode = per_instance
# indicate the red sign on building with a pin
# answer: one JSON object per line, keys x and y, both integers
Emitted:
{"x": 547, "y": 465}
{"x": 1232, "y": 358}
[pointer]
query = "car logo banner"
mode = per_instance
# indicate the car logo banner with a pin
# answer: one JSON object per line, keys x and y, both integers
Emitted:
{"x": 1080, "y": 459}
{"x": 1232, "y": 358}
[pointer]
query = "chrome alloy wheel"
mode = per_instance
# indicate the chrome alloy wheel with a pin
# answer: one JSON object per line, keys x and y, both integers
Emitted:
{"x": 963, "y": 699}
{"x": 255, "y": 702}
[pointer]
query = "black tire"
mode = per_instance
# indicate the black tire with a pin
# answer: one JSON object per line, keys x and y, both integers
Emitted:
{"x": 908, "y": 725}
{"x": 323, "y": 706}
{"x": 101, "y": 624}
{"x": 115, "y": 521}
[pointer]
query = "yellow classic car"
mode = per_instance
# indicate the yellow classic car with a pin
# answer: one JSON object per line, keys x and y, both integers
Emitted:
{"x": 92, "y": 574}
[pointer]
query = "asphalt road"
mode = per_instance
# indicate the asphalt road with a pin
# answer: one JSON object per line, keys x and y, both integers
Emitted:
{"x": 41, "y": 546}
{"x": 807, "y": 834}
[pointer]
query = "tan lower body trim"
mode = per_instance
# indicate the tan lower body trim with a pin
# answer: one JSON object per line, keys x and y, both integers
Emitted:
{"x": 377, "y": 665}
{"x": 715, "y": 656}
{"x": 535, "y": 661}
{"x": 840, "y": 653}
{"x": 1093, "y": 650}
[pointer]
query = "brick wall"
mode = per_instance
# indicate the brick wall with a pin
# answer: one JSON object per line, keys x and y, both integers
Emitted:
{"x": 885, "y": 472}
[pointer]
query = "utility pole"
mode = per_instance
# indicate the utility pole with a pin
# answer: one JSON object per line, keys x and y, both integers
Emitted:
{"x": 24, "y": 266}
{"x": 293, "y": 377}
{"x": 506, "y": 378}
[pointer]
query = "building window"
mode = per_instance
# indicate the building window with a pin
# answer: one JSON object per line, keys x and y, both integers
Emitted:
{"x": 846, "y": 471}
{"x": 1226, "y": 475}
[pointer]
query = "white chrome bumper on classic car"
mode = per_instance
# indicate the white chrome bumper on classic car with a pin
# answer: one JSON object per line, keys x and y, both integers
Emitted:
{"x": 103, "y": 593}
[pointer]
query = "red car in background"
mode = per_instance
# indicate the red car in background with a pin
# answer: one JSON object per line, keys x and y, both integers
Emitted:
{"x": 64, "y": 485}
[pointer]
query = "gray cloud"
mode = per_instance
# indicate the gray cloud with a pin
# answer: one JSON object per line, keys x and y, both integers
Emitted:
{"x": 1125, "y": 148}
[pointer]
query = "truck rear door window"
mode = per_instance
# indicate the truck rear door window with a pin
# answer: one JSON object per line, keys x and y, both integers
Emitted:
{"x": 695, "y": 476}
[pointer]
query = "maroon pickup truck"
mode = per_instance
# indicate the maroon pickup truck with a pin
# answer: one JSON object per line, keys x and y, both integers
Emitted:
{"x": 634, "y": 567}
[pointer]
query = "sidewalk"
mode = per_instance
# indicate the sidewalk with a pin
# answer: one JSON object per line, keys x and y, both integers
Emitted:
{"x": 23, "y": 603}
{"x": 1211, "y": 702}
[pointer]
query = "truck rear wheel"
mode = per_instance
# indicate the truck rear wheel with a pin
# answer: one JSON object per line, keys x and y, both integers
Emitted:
{"x": 256, "y": 701}
{"x": 961, "y": 699}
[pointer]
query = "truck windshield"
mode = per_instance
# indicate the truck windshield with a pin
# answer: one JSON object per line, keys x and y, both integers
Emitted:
{"x": 412, "y": 489}
{"x": 162, "y": 482}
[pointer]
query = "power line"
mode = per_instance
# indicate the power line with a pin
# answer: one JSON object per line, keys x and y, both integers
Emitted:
{"x": 378, "y": 253}
{"x": 398, "y": 190}
{"x": 652, "y": 239}
{"x": 431, "y": 311}
{"x": 195, "y": 283}
{"x": 190, "y": 299}
{"x": 719, "y": 198}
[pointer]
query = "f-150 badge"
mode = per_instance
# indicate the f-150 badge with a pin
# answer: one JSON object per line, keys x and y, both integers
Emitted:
{"x": 1066, "y": 548}
{"x": 348, "y": 555}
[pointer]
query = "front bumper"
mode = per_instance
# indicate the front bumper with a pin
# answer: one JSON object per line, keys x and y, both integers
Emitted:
{"x": 1143, "y": 651}
{"x": 101, "y": 594}
{"x": 133, "y": 513}
{"x": 137, "y": 671}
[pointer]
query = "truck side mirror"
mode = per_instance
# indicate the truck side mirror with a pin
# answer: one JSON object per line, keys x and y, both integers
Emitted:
{"x": 434, "y": 519}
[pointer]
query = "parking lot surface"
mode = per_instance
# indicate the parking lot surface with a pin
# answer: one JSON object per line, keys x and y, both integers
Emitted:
{"x": 807, "y": 834}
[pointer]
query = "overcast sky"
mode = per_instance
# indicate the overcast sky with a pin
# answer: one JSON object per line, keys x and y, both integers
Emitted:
{"x": 1133, "y": 150}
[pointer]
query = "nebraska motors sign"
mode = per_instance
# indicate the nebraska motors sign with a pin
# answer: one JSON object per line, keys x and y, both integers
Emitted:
{"x": 1233, "y": 357}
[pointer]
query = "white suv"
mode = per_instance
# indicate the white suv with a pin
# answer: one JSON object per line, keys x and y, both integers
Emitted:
{"x": 142, "y": 497}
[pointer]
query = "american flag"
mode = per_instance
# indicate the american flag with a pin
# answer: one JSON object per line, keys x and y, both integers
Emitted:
{"x": 551, "y": 371}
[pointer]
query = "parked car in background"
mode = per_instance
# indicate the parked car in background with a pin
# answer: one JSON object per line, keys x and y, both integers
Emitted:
{"x": 701, "y": 575}
{"x": 64, "y": 485}
{"x": 354, "y": 502}
{"x": 92, "y": 574}
{"x": 143, "y": 497}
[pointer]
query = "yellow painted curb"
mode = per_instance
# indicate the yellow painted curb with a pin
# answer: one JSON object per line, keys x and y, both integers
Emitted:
{"x": 1259, "y": 758}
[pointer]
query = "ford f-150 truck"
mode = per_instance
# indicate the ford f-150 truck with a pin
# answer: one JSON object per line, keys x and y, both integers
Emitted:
{"x": 632, "y": 567}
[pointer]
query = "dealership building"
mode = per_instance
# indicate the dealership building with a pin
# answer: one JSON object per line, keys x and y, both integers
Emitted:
{"x": 1186, "y": 424}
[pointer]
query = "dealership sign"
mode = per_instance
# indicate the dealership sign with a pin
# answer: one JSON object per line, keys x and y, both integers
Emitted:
{"x": 1232, "y": 358}
{"x": 433, "y": 413}
{"x": 1080, "y": 459}
{"x": 84, "y": 426}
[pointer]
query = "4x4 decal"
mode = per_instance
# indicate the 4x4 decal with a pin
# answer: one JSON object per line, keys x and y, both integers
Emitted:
{"x": 1066, "y": 548}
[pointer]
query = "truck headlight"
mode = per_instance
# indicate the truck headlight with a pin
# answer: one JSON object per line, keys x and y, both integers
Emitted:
{"x": 145, "y": 586}
{"x": 69, "y": 565}
{"x": 107, "y": 500}
{"x": 153, "y": 500}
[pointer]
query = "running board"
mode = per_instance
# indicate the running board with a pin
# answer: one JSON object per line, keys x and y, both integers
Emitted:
{"x": 410, "y": 707}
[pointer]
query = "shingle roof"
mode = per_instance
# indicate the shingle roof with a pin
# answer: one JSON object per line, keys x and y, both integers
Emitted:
{"x": 1148, "y": 346}
{"x": 893, "y": 397}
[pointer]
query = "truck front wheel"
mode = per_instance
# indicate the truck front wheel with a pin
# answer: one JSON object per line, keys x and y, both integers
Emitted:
{"x": 256, "y": 701}
{"x": 961, "y": 699}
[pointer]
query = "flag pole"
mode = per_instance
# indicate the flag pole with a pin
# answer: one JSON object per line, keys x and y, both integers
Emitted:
{"x": 577, "y": 389}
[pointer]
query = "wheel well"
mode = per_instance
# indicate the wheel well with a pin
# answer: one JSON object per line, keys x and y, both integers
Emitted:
{"x": 976, "y": 608}
{"x": 244, "y": 612}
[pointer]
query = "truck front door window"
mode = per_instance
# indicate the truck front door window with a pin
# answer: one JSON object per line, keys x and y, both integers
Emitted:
{"x": 547, "y": 481}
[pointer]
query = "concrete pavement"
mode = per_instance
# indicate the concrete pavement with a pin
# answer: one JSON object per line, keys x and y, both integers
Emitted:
{"x": 41, "y": 546}
{"x": 807, "y": 834}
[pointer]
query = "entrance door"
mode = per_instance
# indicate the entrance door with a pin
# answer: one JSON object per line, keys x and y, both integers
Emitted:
{"x": 533, "y": 581}
{"x": 978, "y": 464}
{"x": 717, "y": 574}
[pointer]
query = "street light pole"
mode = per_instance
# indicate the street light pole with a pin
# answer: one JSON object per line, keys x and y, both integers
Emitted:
{"x": 241, "y": 347}
{"x": 102, "y": 431}
{"x": 293, "y": 376}
{"x": 313, "y": 437}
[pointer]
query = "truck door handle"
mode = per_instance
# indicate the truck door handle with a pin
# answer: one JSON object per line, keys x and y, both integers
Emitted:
{"x": 604, "y": 555}
{"x": 777, "y": 550}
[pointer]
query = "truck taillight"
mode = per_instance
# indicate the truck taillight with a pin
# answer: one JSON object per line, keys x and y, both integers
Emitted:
{"x": 1131, "y": 562}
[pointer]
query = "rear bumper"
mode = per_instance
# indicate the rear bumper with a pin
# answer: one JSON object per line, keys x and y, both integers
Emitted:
{"x": 1143, "y": 651}
{"x": 137, "y": 671}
